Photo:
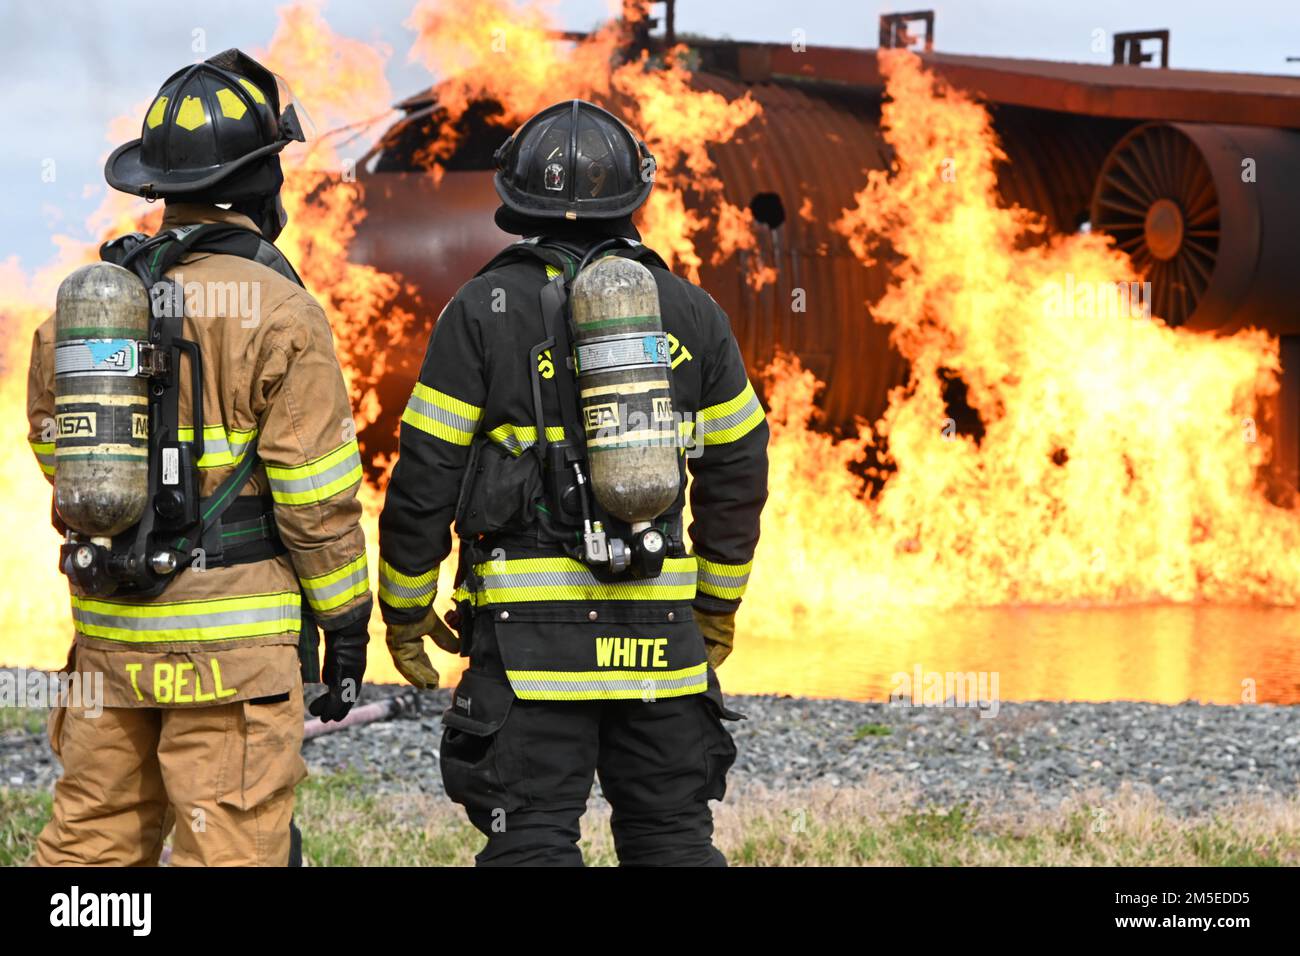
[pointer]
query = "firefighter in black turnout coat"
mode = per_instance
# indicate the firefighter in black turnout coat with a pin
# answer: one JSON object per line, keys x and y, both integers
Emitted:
{"x": 592, "y": 642}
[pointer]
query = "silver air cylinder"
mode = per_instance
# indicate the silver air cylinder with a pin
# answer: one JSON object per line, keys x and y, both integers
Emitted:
{"x": 101, "y": 405}
{"x": 623, "y": 367}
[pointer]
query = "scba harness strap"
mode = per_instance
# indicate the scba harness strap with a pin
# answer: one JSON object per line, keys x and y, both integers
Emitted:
{"x": 179, "y": 528}
{"x": 563, "y": 512}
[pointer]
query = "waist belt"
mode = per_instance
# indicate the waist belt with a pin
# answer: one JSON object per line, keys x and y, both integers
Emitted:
{"x": 245, "y": 533}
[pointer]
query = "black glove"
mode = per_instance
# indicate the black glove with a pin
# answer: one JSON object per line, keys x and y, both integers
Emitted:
{"x": 345, "y": 666}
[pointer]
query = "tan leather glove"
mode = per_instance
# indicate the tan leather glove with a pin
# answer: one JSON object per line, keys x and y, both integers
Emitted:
{"x": 406, "y": 647}
{"x": 719, "y": 632}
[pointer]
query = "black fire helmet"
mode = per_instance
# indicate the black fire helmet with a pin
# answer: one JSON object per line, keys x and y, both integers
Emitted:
{"x": 574, "y": 161}
{"x": 211, "y": 130}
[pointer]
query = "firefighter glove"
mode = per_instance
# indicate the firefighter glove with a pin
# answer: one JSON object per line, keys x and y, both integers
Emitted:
{"x": 345, "y": 666}
{"x": 719, "y": 631}
{"x": 406, "y": 646}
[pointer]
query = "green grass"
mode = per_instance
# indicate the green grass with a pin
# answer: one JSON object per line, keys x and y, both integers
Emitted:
{"x": 22, "y": 814}
{"x": 872, "y": 730}
{"x": 874, "y": 824}
{"x": 27, "y": 720}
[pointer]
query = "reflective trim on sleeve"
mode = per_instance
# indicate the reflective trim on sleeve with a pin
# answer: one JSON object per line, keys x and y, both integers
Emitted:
{"x": 223, "y": 619}
{"x": 732, "y": 420}
{"x": 406, "y": 590}
{"x": 438, "y": 414}
{"x": 336, "y": 588}
{"x": 44, "y": 452}
{"x": 318, "y": 480}
{"x": 222, "y": 447}
{"x": 723, "y": 580}
{"x": 518, "y": 438}
{"x": 517, "y": 580}
{"x": 608, "y": 685}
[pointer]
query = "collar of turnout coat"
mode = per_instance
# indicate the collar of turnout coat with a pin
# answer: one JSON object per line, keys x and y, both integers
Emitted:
{"x": 193, "y": 214}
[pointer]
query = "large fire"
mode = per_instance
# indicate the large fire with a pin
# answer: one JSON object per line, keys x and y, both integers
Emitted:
{"x": 1117, "y": 459}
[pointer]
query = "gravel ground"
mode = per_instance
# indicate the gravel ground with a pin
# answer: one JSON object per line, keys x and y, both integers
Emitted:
{"x": 1193, "y": 757}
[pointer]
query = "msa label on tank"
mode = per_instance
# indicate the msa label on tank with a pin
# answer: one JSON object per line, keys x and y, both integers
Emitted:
{"x": 96, "y": 357}
{"x": 630, "y": 350}
{"x": 97, "y": 423}
{"x": 77, "y": 424}
{"x": 601, "y": 416}
{"x": 171, "y": 466}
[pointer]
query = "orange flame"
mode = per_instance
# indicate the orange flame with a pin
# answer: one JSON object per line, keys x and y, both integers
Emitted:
{"x": 512, "y": 55}
{"x": 1118, "y": 460}
{"x": 1113, "y": 464}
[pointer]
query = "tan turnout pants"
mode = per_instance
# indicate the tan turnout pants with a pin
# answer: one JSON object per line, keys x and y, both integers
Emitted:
{"x": 223, "y": 775}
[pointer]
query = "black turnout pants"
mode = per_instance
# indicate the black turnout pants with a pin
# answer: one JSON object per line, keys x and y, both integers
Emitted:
{"x": 523, "y": 769}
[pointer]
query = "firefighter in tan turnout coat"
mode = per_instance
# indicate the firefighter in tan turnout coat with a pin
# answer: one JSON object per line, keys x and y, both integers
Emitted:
{"x": 202, "y": 721}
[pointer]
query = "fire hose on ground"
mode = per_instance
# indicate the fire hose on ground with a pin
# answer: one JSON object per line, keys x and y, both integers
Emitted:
{"x": 386, "y": 709}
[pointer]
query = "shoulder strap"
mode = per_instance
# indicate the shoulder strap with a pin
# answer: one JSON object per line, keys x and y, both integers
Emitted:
{"x": 150, "y": 258}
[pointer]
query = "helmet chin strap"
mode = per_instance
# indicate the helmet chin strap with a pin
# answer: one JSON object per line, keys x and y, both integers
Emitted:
{"x": 267, "y": 214}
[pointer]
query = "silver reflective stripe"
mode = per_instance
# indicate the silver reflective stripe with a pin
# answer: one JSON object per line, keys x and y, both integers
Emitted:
{"x": 585, "y": 684}
{"x": 729, "y": 421}
{"x": 579, "y": 577}
{"x": 512, "y": 443}
{"x": 318, "y": 595}
{"x": 423, "y": 406}
{"x": 217, "y": 445}
{"x": 404, "y": 591}
{"x": 181, "y": 621}
{"x": 735, "y": 579}
{"x": 289, "y": 486}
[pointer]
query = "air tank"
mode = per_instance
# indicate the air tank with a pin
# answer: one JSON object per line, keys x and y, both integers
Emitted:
{"x": 625, "y": 392}
{"x": 101, "y": 405}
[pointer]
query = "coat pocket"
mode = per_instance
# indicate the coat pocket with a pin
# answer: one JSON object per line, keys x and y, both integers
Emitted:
{"x": 719, "y": 747}
{"x": 476, "y": 768}
{"x": 499, "y": 490}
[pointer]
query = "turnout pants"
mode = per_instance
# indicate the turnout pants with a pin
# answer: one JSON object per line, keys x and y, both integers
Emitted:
{"x": 523, "y": 769}
{"x": 224, "y": 775}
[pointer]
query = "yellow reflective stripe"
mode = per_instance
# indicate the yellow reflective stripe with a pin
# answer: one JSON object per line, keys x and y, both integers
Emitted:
{"x": 44, "y": 452}
{"x": 441, "y": 415}
{"x": 520, "y": 580}
{"x": 222, "y": 447}
{"x": 319, "y": 479}
{"x": 517, "y": 438}
{"x": 336, "y": 588}
{"x": 723, "y": 580}
{"x": 732, "y": 419}
{"x": 397, "y": 589}
{"x": 608, "y": 685}
{"x": 223, "y": 619}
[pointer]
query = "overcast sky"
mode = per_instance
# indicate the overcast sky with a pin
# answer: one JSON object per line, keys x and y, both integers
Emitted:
{"x": 70, "y": 66}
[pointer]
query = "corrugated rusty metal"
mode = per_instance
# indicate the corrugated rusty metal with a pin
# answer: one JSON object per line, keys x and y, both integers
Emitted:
{"x": 812, "y": 152}
{"x": 435, "y": 237}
